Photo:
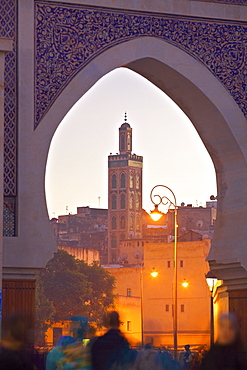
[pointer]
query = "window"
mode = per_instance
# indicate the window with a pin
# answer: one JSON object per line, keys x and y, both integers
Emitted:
{"x": 128, "y": 292}
{"x": 113, "y": 242}
{"x": 137, "y": 201}
{"x": 122, "y": 181}
{"x": 122, "y": 202}
{"x": 128, "y": 325}
{"x": 114, "y": 201}
{"x": 167, "y": 307}
{"x": 114, "y": 223}
{"x": 137, "y": 223}
{"x": 169, "y": 264}
{"x": 131, "y": 180}
{"x": 129, "y": 142}
{"x": 181, "y": 263}
{"x": 114, "y": 181}
{"x": 122, "y": 222}
{"x": 137, "y": 181}
{"x": 122, "y": 237}
{"x": 113, "y": 258}
{"x": 182, "y": 307}
{"x": 122, "y": 142}
{"x": 131, "y": 222}
{"x": 131, "y": 201}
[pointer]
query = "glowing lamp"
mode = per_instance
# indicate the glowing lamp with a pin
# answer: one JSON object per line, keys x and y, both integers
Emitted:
{"x": 154, "y": 273}
{"x": 211, "y": 280}
{"x": 156, "y": 214}
{"x": 185, "y": 284}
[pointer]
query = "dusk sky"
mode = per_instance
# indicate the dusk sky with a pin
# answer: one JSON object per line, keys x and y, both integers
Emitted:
{"x": 174, "y": 154}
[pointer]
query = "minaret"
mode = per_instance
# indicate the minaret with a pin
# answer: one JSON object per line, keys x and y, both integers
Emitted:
{"x": 124, "y": 194}
{"x": 125, "y": 137}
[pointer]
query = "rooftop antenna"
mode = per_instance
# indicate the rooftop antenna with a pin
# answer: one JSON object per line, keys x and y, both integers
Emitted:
{"x": 67, "y": 209}
{"x": 99, "y": 201}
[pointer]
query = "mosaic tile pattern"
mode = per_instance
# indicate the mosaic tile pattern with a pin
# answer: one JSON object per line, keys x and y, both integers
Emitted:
{"x": 9, "y": 217}
{"x": 233, "y": 2}
{"x": 8, "y": 28}
{"x": 68, "y": 37}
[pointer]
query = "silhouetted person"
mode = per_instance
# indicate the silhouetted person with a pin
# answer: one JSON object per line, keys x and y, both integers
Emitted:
{"x": 110, "y": 348}
{"x": 187, "y": 358}
{"x": 13, "y": 347}
{"x": 226, "y": 353}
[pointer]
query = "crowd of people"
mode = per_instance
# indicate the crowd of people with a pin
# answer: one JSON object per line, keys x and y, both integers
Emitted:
{"x": 112, "y": 351}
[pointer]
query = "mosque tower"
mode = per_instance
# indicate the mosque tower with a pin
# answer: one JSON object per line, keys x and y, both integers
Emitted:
{"x": 124, "y": 194}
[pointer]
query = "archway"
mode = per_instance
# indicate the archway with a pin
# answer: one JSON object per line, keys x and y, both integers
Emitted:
{"x": 217, "y": 118}
{"x": 215, "y": 115}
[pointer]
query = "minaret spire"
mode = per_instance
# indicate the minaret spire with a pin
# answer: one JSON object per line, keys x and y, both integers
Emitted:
{"x": 125, "y": 116}
{"x": 125, "y": 137}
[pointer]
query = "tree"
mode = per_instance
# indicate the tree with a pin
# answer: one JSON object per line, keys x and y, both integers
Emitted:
{"x": 102, "y": 285}
{"x": 66, "y": 286}
{"x": 75, "y": 289}
{"x": 44, "y": 311}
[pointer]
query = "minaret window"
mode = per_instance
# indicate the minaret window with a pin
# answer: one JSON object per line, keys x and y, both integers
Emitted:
{"x": 114, "y": 201}
{"x": 114, "y": 181}
{"x": 131, "y": 180}
{"x": 131, "y": 222}
{"x": 137, "y": 201}
{"x": 122, "y": 222}
{"x": 122, "y": 180}
{"x": 122, "y": 203}
{"x": 122, "y": 142}
{"x": 137, "y": 181}
{"x": 122, "y": 236}
{"x": 137, "y": 223}
{"x": 113, "y": 258}
{"x": 113, "y": 241}
{"x": 131, "y": 201}
{"x": 114, "y": 223}
{"x": 129, "y": 143}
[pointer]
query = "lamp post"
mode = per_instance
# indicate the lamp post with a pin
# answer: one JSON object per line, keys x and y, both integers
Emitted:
{"x": 157, "y": 199}
{"x": 211, "y": 281}
{"x": 142, "y": 320}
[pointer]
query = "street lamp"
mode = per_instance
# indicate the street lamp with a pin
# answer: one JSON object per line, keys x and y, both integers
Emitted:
{"x": 154, "y": 273}
{"x": 211, "y": 281}
{"x": 185, "y": 284}
{"x": 156, "y": 214}
{"x": 157, "y": 199}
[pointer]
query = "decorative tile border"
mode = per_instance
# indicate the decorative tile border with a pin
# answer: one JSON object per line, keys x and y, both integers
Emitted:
{"x": 8, "y": 28}
{"x": 9, "y": 216}
{"x": 68, "y": 37}
{"x": 229, "y": 2}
